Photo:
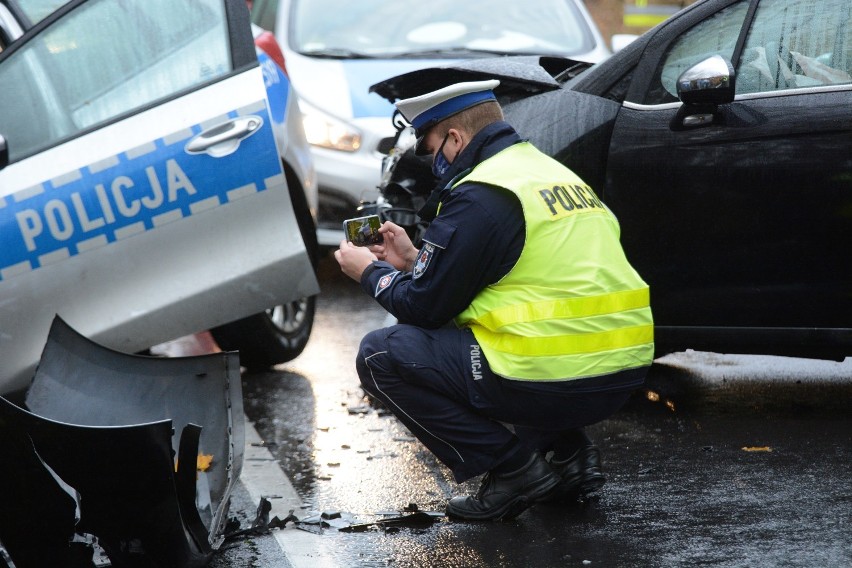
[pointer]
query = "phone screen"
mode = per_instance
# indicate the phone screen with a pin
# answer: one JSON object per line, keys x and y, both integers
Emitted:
{"x": 363, "y": 231}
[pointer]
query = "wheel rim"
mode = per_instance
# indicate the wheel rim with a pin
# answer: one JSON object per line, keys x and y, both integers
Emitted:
{"x": 289, "y": 317}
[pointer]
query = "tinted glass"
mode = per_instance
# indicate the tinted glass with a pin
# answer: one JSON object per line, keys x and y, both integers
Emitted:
{"x": 37, "y": 10}
{"x": 263, "y": 13}
{"x": 106, "y": 59}
{"x": 379, "y": 27}
{"x": 716, "y": 35}
{"x": 797, "y": 44}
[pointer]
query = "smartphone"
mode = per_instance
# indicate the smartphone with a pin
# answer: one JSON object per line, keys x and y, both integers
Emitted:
{"x": 363, "y": 231}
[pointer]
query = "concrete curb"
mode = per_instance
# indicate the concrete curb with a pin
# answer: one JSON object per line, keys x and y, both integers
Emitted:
{"x": 263, "y": 477}
{"x": 696, "y": 379}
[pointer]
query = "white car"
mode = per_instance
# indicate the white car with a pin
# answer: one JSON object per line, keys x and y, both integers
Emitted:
{"x": 336, "y": 49}
{"x": 142, "y": 195}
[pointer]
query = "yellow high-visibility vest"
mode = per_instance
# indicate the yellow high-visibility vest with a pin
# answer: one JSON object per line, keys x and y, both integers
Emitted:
{"x": 572, "y": 306}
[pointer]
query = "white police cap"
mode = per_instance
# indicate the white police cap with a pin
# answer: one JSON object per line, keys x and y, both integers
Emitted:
{"x": 424, "y": 111}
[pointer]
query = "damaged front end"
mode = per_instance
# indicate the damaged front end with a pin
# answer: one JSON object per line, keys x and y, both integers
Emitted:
{"x": 91, "y": 459}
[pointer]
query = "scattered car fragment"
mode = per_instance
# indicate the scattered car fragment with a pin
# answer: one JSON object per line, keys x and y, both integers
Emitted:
{"x": 96, "y": 452}
{"x": 409, "y": 517}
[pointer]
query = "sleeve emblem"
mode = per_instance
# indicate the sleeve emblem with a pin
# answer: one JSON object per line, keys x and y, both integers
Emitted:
{"x": 385, "y": 282}
{"x": 423, "y": 259}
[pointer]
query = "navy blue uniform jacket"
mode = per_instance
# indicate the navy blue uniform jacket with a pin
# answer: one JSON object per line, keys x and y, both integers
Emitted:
{"x": 474, "y": 241}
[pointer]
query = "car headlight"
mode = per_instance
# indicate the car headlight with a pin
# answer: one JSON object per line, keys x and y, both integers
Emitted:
{"x": 326, "y": 131}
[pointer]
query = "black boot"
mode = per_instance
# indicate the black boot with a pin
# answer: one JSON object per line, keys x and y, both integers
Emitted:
{"x": 504, "y": 496}
{"x": 581, "y": 475}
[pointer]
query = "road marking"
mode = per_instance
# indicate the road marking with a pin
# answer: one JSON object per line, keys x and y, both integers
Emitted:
{"x": 263, "y": 477}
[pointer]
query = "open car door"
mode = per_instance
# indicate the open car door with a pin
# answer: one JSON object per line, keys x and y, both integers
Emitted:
{"x": 143, "y": 198}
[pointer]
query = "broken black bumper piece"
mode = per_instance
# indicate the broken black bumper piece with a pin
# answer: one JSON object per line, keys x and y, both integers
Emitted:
{"x": 93, "y": 457}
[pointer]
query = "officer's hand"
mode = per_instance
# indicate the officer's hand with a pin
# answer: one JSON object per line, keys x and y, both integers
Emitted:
{"x": 397, "y": 248}
{"x": 353, "y": 260}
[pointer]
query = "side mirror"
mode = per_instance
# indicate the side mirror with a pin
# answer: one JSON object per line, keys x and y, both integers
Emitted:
{"x": 4, "y": 153}
{"x": 711, "y": 81}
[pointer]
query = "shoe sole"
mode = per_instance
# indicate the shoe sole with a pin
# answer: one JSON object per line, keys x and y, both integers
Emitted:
{"x": 509, "y": 511}
{"x": 591, "y": 486}
{"x": 513, "y": 508}
{"x": 525, "y": 502}
{"x": 581, "y": 491}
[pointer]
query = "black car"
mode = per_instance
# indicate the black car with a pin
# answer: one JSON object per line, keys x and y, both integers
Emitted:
{"x": 722, "y": 140}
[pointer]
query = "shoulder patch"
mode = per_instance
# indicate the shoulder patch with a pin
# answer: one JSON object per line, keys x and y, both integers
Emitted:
{"x": 423, "y": 259}
{"x": 385, "y": 282}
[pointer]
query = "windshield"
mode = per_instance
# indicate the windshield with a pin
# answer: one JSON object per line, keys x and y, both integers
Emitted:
{"x": 404, "y": 28}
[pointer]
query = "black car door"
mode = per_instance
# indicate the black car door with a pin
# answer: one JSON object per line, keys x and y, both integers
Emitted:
{"x": 744, "y": 220}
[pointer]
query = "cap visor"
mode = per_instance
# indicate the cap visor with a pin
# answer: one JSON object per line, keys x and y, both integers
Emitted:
{"x": 419, "y": 147}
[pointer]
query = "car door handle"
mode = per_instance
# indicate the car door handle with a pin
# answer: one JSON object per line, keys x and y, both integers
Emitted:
{"x": 224, "y": 139}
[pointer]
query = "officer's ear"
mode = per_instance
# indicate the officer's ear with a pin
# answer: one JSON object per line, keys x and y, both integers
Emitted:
{"x": 456, "y": 140}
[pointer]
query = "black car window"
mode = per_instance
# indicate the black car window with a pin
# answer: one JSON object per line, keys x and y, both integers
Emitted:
{"x": 794, "y": 44}
{"x": 716, "y": 35}
{"x": 106, "y": 59}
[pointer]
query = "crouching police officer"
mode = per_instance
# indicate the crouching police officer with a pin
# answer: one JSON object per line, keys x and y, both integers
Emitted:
{"x": 553, "y": 328}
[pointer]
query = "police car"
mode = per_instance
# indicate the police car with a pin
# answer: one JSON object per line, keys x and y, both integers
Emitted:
{"x": 142, "y": 193}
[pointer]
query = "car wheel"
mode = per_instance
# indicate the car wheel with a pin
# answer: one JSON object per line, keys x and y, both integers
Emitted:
{"x": 274, "y": 336}
{"x": 279, "y": 334}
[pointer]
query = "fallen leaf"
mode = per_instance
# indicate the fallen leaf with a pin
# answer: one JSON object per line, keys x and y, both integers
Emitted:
{"x": 756, "y": 449}
{"x": 202, "y": 463}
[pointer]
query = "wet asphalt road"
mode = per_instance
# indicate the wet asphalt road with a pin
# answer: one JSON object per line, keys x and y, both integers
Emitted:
{"x": 728, "y": 481}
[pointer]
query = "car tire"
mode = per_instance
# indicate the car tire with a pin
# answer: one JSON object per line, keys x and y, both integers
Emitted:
{"x": 281, "y": 333}
{"x": 271, "y": 337}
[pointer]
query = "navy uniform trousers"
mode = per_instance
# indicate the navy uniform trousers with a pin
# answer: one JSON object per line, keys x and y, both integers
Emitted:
{"x": 438, "y": 383}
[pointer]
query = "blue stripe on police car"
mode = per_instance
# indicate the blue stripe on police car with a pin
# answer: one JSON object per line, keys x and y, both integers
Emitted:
{"x": 131, "y": 193}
